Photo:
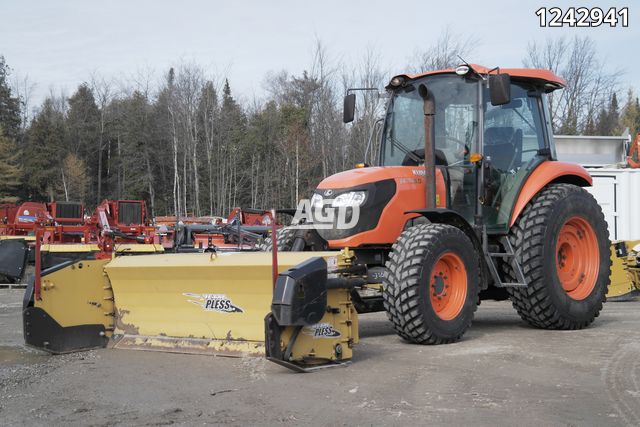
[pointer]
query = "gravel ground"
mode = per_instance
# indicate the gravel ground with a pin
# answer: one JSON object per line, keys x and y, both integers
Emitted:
{"x": 501, "y": 373}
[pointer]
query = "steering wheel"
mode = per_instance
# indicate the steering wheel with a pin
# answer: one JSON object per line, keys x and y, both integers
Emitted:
{"x": 461, "y": 145}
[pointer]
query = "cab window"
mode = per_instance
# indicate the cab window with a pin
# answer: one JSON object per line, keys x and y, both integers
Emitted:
{"x": 513, "y": 133}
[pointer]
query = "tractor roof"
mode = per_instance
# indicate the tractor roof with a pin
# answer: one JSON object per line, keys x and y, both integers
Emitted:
{"x": 546, "y": 77}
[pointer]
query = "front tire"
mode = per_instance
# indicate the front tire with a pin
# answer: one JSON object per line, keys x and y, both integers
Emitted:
{"x": 431, "y": 289}
{"x": 562, "y": 243}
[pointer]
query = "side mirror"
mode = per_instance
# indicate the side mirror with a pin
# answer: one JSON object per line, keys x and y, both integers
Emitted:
{"x": 349, "y": 108}
{"x": 500, "y": 89}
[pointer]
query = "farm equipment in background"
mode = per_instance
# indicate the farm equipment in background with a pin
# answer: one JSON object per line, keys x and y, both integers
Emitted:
{"x": 123, "y": 221}
{"x": 66, "y": 234}
{"x": 633, "y": 158}
{"x": 461, "y": 207}
{"x": 219, "y": 237}
{"x": 241, "y": 230}
{"x": 60, "y": 221}
{"x": 7, "y": 213}
{"x": 116, "y": 226}
{"x": 625, "y": 271}
{"x": 21, "y": 220}
{"x": 249, "y": 216}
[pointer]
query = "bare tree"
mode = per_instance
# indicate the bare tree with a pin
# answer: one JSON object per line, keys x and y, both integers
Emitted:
{"x": 444, "y": 52}
{"x": 23, "y": 88}
{"x": 103, "y": 92}
{"x": 370, "y": 107}
{"x": 189, "y": 84}
{"x": 589, "y": 84}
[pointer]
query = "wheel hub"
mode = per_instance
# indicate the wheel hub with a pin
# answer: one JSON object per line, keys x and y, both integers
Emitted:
{"x": 577, "y": 258}
{"x": 448, "y": 286}
{"x": 438, "y": 284}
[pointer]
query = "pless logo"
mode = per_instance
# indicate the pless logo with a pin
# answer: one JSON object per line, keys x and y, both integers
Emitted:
{"x": 214, "y": 302}
{"x": 321, "y": 330}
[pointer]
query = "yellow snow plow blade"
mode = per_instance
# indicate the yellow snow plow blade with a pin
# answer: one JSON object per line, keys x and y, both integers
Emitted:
{"x": 625, "y": 271}
{"x": 186, "y": 303}
{"x": 85, "y": 247}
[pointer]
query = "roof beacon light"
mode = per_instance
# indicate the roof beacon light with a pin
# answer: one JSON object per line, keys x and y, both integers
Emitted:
{"x": 461, "y": 70}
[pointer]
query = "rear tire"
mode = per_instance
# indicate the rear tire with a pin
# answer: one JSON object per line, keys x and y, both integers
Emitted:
{"x": 562, "y": 243}
{"x": 431, "y": 289}
{"x": 284, "y": 236}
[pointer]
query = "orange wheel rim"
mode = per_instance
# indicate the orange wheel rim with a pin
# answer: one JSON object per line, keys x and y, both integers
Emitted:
{"x": 577, "y": 258}
{"x": 448, "y": 286}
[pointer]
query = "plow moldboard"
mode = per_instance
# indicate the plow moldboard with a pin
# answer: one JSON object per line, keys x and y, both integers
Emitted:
{"x": 195, "y": 303}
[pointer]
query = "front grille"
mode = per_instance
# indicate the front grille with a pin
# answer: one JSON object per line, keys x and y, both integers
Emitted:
{"x": 129, "y": 213}
{"x": 378, "y": 196}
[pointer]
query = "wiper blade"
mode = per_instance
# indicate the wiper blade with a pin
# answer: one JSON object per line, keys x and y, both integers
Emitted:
{"x": 405, "y": 150}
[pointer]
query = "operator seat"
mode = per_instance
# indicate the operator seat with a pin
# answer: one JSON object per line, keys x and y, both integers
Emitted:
{"x": 504, "y": 146}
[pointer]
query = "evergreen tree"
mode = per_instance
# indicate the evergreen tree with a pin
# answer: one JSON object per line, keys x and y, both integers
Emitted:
{"x": 232, "y": 135}
{"x": 44, "y": 151}
{"x": 602, "y": 122}
{"x": 614, "y": 116}
{"x": 590, "y": 127}
{"x": 10, "y": 172}
{"x": 83, "y": 124}
{"x": 9, "y": 105}
{"x": 608, "y": 122}
{"x": 630, "y": 114}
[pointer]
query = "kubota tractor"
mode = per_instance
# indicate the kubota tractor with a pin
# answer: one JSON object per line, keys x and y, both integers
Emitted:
{"x": 467, "y": 201}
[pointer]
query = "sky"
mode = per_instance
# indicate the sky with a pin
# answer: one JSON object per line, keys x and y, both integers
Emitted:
{"x": 58, "y": 45}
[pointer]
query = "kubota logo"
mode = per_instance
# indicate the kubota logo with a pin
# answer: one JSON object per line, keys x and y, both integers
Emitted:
{"x": 321, "y": 330}
{"x": 214, "y": 302}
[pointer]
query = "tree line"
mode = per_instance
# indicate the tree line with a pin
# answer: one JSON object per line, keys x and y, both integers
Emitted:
{"x": 187, "y": 145}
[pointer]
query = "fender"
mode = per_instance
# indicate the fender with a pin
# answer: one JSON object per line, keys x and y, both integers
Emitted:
{"x": 546, "y": 173}
{"x": 447, "y": 216}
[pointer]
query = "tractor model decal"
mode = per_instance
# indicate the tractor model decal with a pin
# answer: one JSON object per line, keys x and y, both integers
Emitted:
{"x": 321, "y": 330}
{"x": 214, "y": 302}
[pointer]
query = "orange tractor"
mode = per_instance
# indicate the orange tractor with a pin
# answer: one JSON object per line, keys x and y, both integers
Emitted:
{"x": 467, "y": 202}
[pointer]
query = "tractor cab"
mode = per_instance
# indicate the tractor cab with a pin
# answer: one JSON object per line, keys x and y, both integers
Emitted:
{"x": 510, "y": 132}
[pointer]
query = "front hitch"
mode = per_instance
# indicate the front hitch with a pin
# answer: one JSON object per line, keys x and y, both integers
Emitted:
{"x": 313, "y": 323}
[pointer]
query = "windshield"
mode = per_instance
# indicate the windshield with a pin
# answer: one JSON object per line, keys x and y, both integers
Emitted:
{"x": 455, "y": 123}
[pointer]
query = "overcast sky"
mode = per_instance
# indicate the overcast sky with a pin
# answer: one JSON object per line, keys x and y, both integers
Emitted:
{"x": 60, "y": 44}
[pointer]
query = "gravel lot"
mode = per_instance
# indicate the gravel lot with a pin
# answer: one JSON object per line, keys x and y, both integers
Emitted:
{"x": 503, "y": 372}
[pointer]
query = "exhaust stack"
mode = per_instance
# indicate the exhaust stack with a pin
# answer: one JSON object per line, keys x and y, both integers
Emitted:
{"x": 429, "y": 109}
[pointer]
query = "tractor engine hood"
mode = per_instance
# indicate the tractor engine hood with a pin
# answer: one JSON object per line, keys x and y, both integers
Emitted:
{"x": 368, "y": 175}
{"x": 367, "y": 196}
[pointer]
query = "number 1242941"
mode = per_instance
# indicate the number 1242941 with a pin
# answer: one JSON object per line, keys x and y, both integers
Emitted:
{"x": 583, "y": 17}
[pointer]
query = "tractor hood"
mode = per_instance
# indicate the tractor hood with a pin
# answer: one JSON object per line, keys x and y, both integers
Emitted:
{"x": 382, "y": 197}
{"x": 362, "y": 176}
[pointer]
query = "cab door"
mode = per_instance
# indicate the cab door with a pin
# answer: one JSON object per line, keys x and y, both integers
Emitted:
{"x": 514, "y": 144}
